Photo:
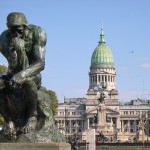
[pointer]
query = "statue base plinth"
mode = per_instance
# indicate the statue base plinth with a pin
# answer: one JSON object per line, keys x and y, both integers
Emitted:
{"x": 35, "y": 146}
{"x": 105, "y": 128}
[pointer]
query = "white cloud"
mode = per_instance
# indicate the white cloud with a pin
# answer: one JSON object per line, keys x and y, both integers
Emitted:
{"x": 145, "y": 65}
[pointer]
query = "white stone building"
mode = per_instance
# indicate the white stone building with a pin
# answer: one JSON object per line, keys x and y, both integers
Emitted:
{"x": 118, "y": 121}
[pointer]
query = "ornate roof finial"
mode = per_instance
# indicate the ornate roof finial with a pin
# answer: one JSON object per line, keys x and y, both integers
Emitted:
{"x": 102, "y": 34}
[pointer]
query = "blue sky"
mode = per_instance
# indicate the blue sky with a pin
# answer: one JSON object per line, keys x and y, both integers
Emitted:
{"x": 73, "y": 29}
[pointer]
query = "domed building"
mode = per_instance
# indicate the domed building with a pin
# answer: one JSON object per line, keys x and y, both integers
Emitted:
{"x": 102, "y": 77}
{"x": 101, "y": 109}
{"x": 102, "y": 73}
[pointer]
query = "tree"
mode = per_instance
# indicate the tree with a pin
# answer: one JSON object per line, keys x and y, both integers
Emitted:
{"x": 2, "y": 69}
{"x": 53, "y": 97}
{"x": 54, "y": 101}
{"x": 1, "y": 120}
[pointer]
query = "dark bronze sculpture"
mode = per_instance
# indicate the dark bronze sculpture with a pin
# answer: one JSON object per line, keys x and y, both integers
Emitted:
{"x": 23, "y": 46}
{"x": 101, "y": 89}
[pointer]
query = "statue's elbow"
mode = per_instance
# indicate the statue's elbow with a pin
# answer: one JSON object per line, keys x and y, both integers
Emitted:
{"x": 43, "y": 65}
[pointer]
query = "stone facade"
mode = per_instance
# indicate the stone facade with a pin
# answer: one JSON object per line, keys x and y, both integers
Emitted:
{"x": 117, "y": 121}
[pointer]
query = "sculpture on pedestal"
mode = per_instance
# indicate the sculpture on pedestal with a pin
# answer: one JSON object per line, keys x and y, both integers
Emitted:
{"x": 23, "y": 106}
{"x": 101, "y": 99}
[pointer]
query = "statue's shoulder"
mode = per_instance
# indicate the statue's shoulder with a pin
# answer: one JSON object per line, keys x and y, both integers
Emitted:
{"x": 38, "y": 33}
{"x": 4, "y": 39}
{"x": 4, "y": 36}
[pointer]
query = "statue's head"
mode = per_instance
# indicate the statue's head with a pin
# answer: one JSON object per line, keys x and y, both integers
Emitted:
{"x": 16, "y": 19}
{"x": 16, "y": 23}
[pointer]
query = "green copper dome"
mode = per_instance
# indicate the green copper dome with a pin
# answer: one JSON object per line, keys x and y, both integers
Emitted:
{"x": 102, "y": 56}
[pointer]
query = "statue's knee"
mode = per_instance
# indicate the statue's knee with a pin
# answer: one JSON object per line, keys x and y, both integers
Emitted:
{"x": 30, "y": 85}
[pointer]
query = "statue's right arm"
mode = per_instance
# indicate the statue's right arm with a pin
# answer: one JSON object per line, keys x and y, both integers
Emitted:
{"x": 3, "y": 41}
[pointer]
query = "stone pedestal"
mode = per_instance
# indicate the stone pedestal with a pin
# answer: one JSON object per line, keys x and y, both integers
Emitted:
{"x": 101, "y": 115}
{"x": 90, "y": 139}
{"x": 142, "y": 136}
{"x": 35, "y": 146}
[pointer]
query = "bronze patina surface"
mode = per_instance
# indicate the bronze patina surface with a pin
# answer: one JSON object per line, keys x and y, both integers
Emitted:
{"x": 24, "y": 107}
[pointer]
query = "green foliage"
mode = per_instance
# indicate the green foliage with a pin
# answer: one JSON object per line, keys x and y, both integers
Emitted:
{"x": 53, "y": 97}
{"x": 3, "y": 69}
{"x": 1, "y": 120}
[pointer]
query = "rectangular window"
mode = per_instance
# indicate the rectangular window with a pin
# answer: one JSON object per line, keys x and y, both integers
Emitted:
{"x": 131, "y": 130}
{"x": 79, "y": 123}
{"x": 102, "y": 78}
{"x": 95, "y": 78}
{"x": 98, "y": 77}
{"x": 67, "y": 123}
{"x": 131, "y": 122}
{"x": 91, "y": 122}
{"x": 114, "y": 122}
{"x": 105, "y": 78}
{"x": 73, "y": 113}
{"x": 125, "y": 122}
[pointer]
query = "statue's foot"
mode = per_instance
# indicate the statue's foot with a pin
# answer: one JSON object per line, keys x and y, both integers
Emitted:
{"x": 29, "y": 126}
{"x": 9, "y": 130}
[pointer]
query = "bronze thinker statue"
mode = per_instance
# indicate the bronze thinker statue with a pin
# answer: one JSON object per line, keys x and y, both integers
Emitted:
{"x": 23, "y": 46}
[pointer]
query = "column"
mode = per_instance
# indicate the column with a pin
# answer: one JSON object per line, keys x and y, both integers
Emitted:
{"x": 70, "y": 126}
{"x": 82, "y": 125}
{"x": 134, "y": 123}
{"x": 101, "y": 114}
{"x": 122, "y": 125}
{"x": 100, "y": 78}
{"x": 118, "y": 122}
{"x": 87, "y": 123}
{"x": 108, "y": 78}
{"x": 128, "y": 125}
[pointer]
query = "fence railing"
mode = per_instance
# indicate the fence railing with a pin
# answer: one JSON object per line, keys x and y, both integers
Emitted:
{"x": 118, "y": 148}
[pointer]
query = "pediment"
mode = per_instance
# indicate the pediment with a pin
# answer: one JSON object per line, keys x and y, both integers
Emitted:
{"x": 108, "y": 110}
{"x": 112, "y": 111}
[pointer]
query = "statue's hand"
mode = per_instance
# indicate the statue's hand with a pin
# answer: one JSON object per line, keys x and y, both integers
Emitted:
{"x": 16, "y": 80}
{"x": 17, "y": 44}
